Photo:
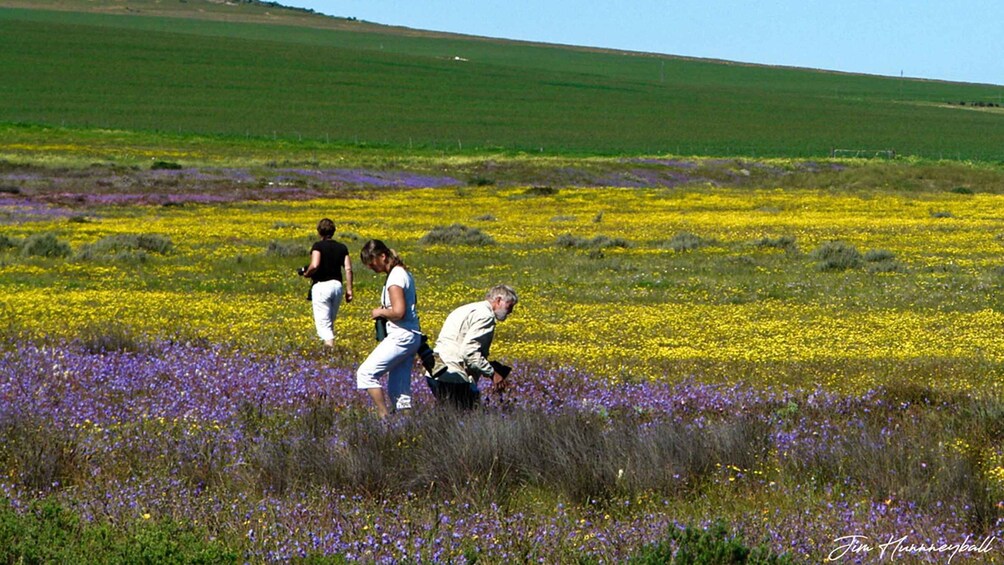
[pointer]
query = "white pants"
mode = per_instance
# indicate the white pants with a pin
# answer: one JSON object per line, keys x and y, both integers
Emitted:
{"x": 395, "y": 356}
{"x": 326, "y": 298}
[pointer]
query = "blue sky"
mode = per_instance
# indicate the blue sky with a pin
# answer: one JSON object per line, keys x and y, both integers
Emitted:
{"x": 947, "y": 39}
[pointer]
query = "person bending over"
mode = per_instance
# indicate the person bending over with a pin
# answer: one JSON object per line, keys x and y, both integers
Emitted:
{"x": 462, "y": 349}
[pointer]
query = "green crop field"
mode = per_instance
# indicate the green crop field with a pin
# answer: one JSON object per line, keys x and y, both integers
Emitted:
{"x": 345, "y": 82}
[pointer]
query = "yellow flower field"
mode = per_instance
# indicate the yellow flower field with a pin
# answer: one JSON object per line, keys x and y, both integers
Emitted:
{"x": 730, "y": 310}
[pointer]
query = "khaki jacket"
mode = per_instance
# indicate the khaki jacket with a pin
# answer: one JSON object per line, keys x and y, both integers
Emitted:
{"x": 464, "y": 342}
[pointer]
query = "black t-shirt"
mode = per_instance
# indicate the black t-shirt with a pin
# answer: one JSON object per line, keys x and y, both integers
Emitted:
{"x": 333, "y": 256}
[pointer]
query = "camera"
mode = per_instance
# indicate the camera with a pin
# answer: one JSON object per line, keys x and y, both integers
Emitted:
{"x": 501, "y": 369}
{"x": 380, "y": 328}
{"x": 302, "y": 270}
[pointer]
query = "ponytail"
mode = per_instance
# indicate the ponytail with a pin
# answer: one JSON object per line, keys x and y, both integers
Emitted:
{"x": 374, "y": 248}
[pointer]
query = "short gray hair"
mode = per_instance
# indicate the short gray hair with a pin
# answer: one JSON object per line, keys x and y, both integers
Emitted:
{"x": 503, "y": 291}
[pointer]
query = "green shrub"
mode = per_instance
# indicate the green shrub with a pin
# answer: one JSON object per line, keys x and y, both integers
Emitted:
{"x": 836, "y": 256}
{"x": 155, "y": 243}
{"x": 541, "y": 191}
{"x": 110, "y": 337}
{"x": 962, "y": 190}
{"x": 126, "y": 247}
{"x": 278, "y": 248}
{"x": 7, "y": 242}
{"x": 885, "y": 267}
{"x": 43, "y": 458}
{"x": 456, "y": 234}
{"x": 49, "y": 533}
{"x": 45, "y": 245}
{"x": 599, "y": 242}
{"x": 713, "y": 546}
{"x": 165, "y": 165}
{"x": 785, "y": 242}
{"x": 486, "y": 218}
{"x": 686, "y": 241}
{"x": 941, "y": 214}
{"x": 480, "y": 181}
{"x": 877, "y": 255}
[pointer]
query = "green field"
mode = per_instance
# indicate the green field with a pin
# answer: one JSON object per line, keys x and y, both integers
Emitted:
{"x": 718, "y": 323}
{"x": 359, "y": 84}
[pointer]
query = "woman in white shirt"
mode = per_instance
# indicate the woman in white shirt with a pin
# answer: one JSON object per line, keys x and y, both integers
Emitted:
{"x": 394, "y": 355}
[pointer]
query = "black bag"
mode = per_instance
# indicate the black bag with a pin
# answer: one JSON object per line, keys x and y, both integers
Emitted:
{"x": 380, "y": 328}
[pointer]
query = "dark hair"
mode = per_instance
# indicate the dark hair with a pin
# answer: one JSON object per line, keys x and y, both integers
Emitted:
{"x": 374, "y": 248}
{"x": 325, "y": 228}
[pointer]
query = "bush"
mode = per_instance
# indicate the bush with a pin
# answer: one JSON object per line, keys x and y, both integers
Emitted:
{"x": 165, "y": 165}
{"x": 110, "y": 337}
{"x": 785, "y": 242}
{"x": 541, "y": 191}
{"x": 877, "y": 255}
{"x": 941, "y": 214}
{"x": 686, "y": 241}
{"x": 126, "y": 247}
{"x": 713, "y": 546}
{"x": 579, "y": 456}
{"x": 457, "y": 234}
{"x": 7, "y": 242}
{"x": 44, "y": 458}
{"x": 480, "y": 181}
{"x": 45, "y": 245}
{"x": 836, "y": 256}
{"x": 599, "y": 242}
{"x": 49, "y": 533}
{"x": 277, "y": 248}
{"x": 885, "y": 267}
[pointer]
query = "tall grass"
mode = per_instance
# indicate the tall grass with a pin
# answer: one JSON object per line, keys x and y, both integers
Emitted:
{"x": 901, "y": 455}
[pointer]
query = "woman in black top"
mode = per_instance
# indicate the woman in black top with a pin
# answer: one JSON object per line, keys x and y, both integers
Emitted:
{"x": 327, "y": 258}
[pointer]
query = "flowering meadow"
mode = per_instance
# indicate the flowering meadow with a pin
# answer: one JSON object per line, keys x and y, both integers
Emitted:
{"x": 816, "y": 368}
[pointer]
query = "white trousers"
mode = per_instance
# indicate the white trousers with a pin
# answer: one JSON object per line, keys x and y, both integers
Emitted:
{"x": 394, "y": 356}
{"x": 326, "y": 298}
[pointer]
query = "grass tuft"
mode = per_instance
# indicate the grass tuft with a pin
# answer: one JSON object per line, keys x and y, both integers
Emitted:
{"x": 276, "y": 248}
{"x": 45, "y": 245}
{"x": 598, "y": 242}
{"x": 836, "y": 256}
{"x": 126, "y": 247}
{"x": 686, "y": 241}
{"x": 457, "y": 234}
{"x": 785, "y": 242}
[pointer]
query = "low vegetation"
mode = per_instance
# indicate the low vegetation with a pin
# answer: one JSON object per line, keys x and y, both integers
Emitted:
{"x": 717, "y": 359}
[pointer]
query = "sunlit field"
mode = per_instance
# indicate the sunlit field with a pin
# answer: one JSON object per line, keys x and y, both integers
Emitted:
{"x": 759, "y": 321}
{"x": 796, "y": 364}
{"x": 637, "y": 284}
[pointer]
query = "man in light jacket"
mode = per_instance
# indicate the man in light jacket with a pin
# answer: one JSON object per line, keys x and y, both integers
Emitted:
{"x": 462, "y": 349}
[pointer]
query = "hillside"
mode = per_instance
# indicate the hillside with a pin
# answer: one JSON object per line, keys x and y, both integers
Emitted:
{"x": 260, "y": 71}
